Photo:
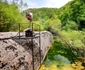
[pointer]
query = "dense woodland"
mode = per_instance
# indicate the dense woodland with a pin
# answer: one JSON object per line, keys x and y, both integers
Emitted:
{"x": 67, "y": 24}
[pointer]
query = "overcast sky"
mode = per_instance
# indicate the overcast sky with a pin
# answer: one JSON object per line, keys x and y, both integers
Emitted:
{"x": 45, "y": 3}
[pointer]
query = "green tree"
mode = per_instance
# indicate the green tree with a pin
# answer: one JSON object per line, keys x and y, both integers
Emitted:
{"x": 9, "y": 21}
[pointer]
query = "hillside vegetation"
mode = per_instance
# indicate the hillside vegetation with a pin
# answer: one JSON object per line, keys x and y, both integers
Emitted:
{"x": 10, "y": 17}
{"x": 67, "y": 24}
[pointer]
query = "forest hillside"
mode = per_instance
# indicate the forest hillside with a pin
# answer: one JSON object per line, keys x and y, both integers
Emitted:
{"x": 67, "y": 24}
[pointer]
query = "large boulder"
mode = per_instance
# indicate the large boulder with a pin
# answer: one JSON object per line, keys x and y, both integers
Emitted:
{"x": 16, "y": 53}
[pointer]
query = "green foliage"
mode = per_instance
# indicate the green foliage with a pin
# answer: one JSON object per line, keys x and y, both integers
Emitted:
{"x": 10, "y": 17}
{"x": 58, "y": 48}
{"x": 75, "y": 11}
{"x": 37, "y": 25}
{"x": 74, "y": 40}
{"x": 54, "y": 23}
{"x": 70, "y": 25}
{"x": 42, "y": 13}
